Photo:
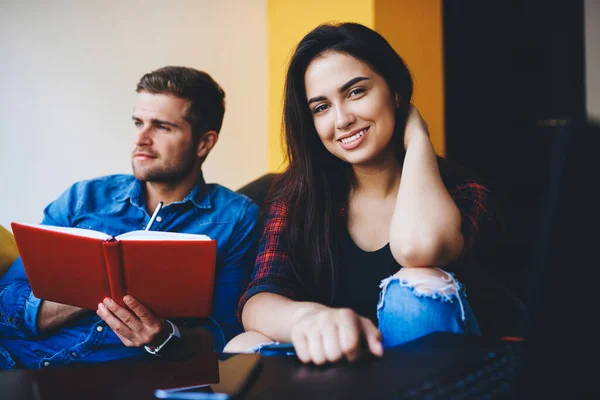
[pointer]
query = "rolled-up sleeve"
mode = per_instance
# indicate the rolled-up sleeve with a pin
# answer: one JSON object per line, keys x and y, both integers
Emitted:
{"x": 273, "y": 271}
{"x": 18, "y": 306}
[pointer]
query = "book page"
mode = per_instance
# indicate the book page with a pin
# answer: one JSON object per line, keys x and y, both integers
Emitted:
{"x": 72, "y": 231}
{"x": 159, "y": 235}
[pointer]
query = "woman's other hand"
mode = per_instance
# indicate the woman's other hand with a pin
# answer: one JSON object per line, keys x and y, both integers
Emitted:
{"x": 416, "y": 126}
{"x": 331, "y": 335}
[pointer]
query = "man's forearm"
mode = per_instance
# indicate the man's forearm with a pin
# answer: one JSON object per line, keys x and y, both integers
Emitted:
{"x": 52, "y": 315}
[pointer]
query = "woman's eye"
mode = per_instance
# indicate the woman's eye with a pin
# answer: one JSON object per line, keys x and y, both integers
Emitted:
{"x": 320, "y": 108}
{"x": 356, "y": 91}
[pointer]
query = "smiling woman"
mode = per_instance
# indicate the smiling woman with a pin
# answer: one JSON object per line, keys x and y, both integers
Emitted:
{"x": 367, "y": 226}
{"x": 350, "y": 103}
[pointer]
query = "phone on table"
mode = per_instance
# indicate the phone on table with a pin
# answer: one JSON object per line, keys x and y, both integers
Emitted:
{"x": 236, "y": 373}
{"x": 278, "y": 349}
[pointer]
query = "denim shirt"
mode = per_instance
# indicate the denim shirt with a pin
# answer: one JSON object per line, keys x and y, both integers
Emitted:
{"x": 115, "y": 205}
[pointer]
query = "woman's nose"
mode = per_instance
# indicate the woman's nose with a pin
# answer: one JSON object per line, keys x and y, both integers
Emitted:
{"x": 344, "y": 118}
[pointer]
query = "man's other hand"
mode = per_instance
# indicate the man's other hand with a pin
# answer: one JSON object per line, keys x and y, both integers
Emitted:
{"x": 137, "y": 326}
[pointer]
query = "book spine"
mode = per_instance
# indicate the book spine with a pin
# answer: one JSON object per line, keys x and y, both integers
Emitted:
{"x": 114, "y": 270}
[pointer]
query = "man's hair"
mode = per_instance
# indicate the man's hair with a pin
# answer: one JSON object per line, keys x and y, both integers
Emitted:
{"x": 206, "y": 98}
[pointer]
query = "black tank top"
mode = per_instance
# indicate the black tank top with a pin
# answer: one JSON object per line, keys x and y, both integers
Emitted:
{"x": 360, "y": 275}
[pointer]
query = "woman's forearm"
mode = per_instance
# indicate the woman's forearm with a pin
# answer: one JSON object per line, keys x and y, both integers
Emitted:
{"x": 425, "y": 229}
{"x": 274, "y": 315}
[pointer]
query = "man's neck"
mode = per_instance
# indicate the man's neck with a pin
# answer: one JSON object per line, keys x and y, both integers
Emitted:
{"x": 168, "y": 192}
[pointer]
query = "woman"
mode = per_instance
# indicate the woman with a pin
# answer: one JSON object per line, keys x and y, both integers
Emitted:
{"x": 363, "y": 231}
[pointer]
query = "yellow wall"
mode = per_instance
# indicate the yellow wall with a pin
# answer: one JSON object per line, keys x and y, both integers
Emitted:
{"x": 288, "y": 21}
{"x": 414, "y": 29}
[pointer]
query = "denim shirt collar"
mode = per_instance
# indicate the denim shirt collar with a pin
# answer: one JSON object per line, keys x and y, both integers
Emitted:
{"x": 199, "y": 195}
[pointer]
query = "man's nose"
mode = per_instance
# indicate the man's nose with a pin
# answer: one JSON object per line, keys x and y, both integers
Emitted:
{"x": 143, "y": 137}
{"x": 344, "y": 118}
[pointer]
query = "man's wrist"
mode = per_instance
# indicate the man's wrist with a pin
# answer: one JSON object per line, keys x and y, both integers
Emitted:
{"x": 162, "y": 340}
{"x": 162, "y": 335}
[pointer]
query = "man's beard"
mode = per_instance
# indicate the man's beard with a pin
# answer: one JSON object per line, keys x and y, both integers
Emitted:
{"x": 160, "y": 174}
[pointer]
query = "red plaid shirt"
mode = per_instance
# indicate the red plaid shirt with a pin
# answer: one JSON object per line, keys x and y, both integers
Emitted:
{"x": 273, "y": 272}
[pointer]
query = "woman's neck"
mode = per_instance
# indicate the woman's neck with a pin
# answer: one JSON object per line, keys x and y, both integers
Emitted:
{"x": 380, "y": 180}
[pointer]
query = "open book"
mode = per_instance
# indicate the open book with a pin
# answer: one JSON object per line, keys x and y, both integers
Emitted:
{"x": 170, "y": 273}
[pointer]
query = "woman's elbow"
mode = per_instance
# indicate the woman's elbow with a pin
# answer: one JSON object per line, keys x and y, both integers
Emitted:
{"x": 250, "y": 311}
{"x": 427, "y": 252}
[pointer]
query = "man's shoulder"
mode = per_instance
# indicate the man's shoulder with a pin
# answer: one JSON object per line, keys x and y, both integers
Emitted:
{"x": 108, "y": 180}
{"x": 116, "y": 182}
{"x": 95, "y": 192}
{"x": 223, "y": 197}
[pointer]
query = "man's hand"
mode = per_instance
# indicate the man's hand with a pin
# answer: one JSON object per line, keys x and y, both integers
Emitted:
{"x": 135, "y": 329}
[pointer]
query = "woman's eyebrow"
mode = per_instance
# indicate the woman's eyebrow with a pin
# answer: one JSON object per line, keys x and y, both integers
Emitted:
{"x": 342, "y": 89}
{"x": 351, "y": 82}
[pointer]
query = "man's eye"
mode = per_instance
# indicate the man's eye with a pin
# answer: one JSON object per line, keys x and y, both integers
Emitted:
{"x": 163, "y": 128}
{"x": 137, "y": 123}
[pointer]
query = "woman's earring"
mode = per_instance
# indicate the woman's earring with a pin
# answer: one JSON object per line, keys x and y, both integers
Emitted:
{"x": 397, "y": 100}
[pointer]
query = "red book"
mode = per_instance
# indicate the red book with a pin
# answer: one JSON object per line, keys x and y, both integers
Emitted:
{"x": 170, "y": 273}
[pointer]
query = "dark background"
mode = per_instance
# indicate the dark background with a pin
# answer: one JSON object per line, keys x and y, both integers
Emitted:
{"x": 514, "y": 72}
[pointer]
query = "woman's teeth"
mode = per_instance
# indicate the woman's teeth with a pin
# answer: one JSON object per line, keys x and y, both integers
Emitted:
{"x": 354, "y": 137}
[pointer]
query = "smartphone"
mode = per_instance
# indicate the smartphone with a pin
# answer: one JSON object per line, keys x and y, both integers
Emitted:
{"x": 278, "y": 349}
{"x": 236, "y": 373}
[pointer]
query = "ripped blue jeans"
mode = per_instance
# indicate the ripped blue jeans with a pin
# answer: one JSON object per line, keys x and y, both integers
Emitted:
{"x": 409, "y": 310}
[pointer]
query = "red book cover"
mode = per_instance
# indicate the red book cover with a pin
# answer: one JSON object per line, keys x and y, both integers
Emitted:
{"x": 171, "y": 273}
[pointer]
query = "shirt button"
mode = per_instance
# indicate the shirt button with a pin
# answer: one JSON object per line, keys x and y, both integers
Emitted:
{"x": 11, "y": 319}
{"x": 158, "y": 219}
{"x": 74, "y": 355}
{"x": 99, "y": 328}
{"x": 46, "y": 363}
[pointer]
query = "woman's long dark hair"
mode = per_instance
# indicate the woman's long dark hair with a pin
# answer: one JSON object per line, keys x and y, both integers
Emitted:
{"x": 316, "y": 184}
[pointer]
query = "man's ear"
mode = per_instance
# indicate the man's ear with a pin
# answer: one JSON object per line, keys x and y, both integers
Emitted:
{"x": 206, "y": 143}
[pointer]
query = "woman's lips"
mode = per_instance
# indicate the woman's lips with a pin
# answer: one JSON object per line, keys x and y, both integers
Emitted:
{"x": 356, "y": 142}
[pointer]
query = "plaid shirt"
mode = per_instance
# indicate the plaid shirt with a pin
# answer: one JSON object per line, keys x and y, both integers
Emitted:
{"x": 273, "y": 271}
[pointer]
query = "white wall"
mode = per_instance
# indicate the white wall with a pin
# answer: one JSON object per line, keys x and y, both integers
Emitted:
{"x": 68, "y": 71}
{"x": 592, "y": 58}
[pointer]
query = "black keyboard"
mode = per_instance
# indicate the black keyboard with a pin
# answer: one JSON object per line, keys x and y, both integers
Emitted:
{"x": 491, "y": 375}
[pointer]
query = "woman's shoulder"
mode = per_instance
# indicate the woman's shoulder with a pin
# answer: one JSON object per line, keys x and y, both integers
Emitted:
{"x": 457, "y": 176}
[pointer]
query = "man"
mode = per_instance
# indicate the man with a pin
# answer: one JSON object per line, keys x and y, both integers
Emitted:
{"x": 177, "y": 117}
